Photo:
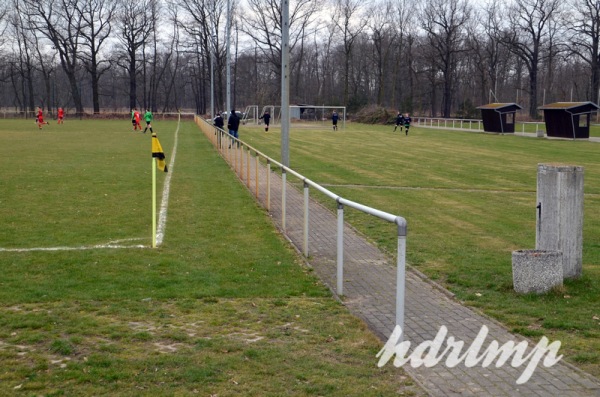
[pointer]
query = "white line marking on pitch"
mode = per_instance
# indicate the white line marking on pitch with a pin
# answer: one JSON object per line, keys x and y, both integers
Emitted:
{"x": 164, "y": 204}
{"x": 111, "y": 244}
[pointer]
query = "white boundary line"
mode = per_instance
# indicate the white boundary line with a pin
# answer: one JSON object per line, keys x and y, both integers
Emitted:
{"x": 111, "y": 244}
{"x": 116, "y": 244}
{"x": 164, "y": 203}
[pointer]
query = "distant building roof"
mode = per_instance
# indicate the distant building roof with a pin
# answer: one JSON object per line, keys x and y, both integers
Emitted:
{"x": 575, "y": 106}
{"x": 500, "y": 106}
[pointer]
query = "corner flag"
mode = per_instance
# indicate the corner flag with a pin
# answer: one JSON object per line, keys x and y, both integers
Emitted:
{"x": 157, "y": 152}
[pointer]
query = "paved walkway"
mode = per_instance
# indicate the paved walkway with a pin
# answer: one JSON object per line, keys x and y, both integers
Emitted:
{"x": 369, "y": 293}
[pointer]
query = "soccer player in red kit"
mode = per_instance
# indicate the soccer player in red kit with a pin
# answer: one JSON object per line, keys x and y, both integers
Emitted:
{"x": 40, "y": 118}
{"x": 137, "y": 120}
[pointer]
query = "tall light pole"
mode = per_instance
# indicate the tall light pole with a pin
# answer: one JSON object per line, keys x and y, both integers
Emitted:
{"x": 212, "y": 77}
{"x": 228, "y": 28}
{"x": 285, "y": 82}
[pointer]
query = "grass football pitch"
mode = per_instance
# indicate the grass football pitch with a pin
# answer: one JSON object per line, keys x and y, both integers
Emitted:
{"x": 223, "y": 307}
{"x": 224, "y": 294}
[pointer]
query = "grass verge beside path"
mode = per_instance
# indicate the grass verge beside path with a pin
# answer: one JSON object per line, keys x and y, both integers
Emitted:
{"x": 224, "y": 307}
{"x": 469, "y": 200}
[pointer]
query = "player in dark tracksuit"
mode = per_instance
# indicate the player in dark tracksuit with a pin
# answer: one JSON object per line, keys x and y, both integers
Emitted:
{"x": 407, "y": 121}
{"x": 399, "y": 122}
{"x": 267, "y": 118}
{"x": 334, "y": 120}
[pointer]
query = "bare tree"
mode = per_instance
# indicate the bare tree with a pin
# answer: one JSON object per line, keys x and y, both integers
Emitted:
{"x": 526, "y": 35}
{"x": 150, "y": 66}
{"x": 402, "y": 75}
{"x": 383, "y": 36}
{"x": 444, "y": 23}
{"x": 201, "y": 20}
{"x": 24, "y": 40}
{"x": 59, "y": 22}
{"x": 135, "y": 26}
{"x": 490, "y": 56}
{"x": 351, "y": 22}
{"x": 263, "y": 25}
{"x": 324, "y": 53}
{"x": 585, "y": 39}
{"x": 3, "y": 18}
{"x": 97, "y": 16}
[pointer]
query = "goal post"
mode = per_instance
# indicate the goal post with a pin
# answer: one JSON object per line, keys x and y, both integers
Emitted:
{"x": 317, "y": 114}
{"x": 250, "y": 115}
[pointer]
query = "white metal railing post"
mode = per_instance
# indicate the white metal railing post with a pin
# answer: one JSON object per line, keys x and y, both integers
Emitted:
{"x": 268, "y": 185}
{"x": 248, "y": 155}
{"x": 306, "y": 198}
{"x": 242, "y": 163}
{"x": 340, "y": 249}
{"x": 235, "y": 155}
{"x": 401, "y": 272}
{"x": 283, "y": 183}
{"x": 256, "y": 173}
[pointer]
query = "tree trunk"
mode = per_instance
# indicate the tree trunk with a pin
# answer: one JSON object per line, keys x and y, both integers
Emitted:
{"x": 132, "y": 82}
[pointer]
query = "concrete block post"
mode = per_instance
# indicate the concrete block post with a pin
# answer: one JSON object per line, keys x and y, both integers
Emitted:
{"x": 536, "y": 271}
{"x": 560, "y": 214}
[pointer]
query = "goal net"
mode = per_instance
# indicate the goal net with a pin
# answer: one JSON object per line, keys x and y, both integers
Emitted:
{"x": 307, "y": 115}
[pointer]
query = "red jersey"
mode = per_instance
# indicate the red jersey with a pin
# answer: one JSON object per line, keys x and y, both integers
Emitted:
{"x": 40, "y": 116}
{"x": 61, "y": 113}
{"x": 137, "y": 117}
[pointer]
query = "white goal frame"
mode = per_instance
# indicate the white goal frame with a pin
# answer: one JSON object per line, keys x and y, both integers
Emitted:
{"x": 275, "y": 111}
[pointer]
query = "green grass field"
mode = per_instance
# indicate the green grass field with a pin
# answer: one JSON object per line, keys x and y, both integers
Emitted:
{"x": 224, "y": 307}
{"x": 470, "y": 200}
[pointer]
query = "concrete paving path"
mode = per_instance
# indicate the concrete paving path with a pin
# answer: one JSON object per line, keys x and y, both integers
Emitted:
{"x": 369, "y": 293}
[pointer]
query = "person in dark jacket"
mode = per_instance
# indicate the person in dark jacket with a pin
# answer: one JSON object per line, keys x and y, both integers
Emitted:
{"x": 267, "y": 118}
{"x": 218, "y": 121}
{"x": 334, "y": 120}
{"x": 407, "y": 121}
{"x": 233, "y": 124}
{"x": 399, "y": 122}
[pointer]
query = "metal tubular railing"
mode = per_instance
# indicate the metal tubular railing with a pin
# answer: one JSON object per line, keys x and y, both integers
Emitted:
{"x": 230, "y": 153}
{"x": 459, "y": 124}
{"x": 440, "y": 122}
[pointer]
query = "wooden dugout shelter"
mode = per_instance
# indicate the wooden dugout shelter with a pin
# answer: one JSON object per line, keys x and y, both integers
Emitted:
{"x": 499, "y": 117}
{"x": 568, "y": 119}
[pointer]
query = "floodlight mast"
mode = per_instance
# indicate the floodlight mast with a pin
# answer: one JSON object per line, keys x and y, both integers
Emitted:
{"x": 228, "y": 28}
{"x": 285, "y": 83}
{"x": 212, "y": 76}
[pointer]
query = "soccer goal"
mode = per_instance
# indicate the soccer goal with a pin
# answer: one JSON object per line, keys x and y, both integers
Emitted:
{"x": 308, "y": 115}
{"x": 250, "y": 115}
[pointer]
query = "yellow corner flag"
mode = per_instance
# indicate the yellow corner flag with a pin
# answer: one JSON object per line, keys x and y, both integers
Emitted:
{"x": 157, "y": 152}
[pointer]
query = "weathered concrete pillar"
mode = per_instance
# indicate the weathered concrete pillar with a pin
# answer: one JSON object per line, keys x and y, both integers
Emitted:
{"x": 560, "y": 214}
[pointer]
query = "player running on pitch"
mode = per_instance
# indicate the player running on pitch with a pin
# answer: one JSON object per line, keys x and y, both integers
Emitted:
{"x": 40, "y": 118}
{"x": 148, "y": 118}
{"x": 407, "y": 121}
{"x": 399, "y": 121}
